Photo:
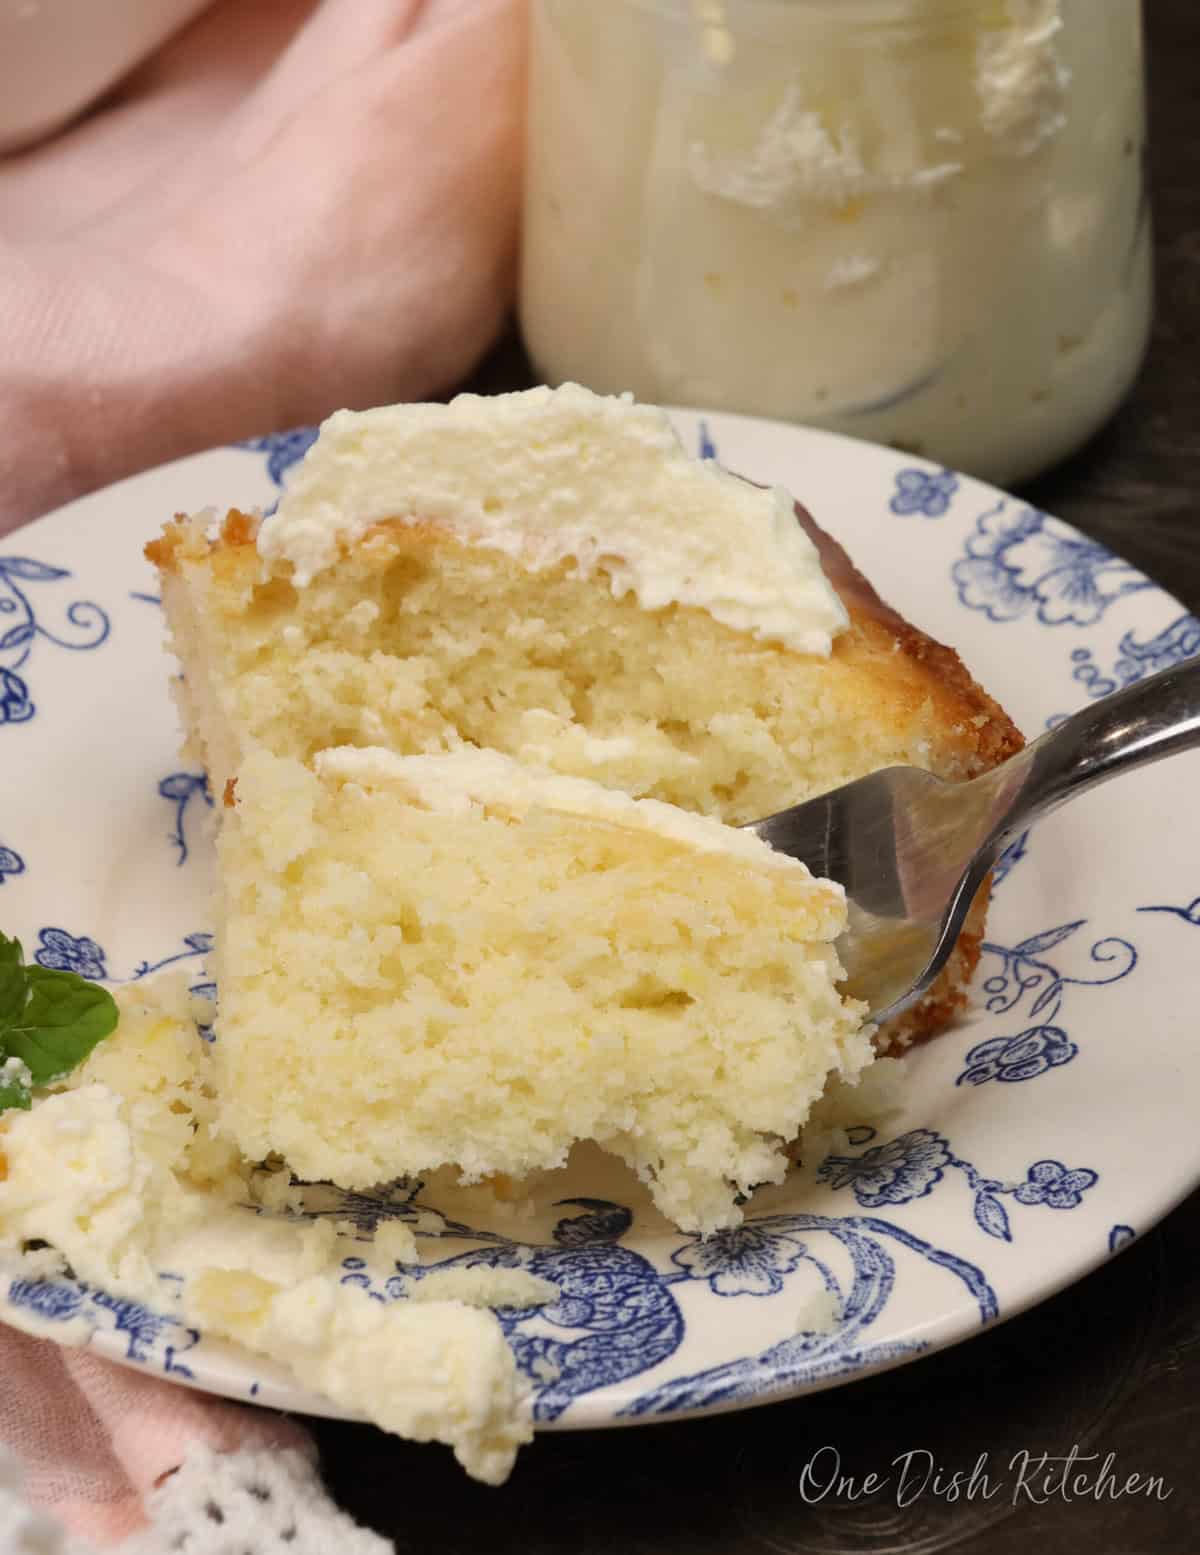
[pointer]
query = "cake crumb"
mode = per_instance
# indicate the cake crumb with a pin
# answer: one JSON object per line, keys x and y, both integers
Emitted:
{"x": 483, "y": 1286}
{"x": 278, "y": 1191}
{"x": 395, "y": 1243}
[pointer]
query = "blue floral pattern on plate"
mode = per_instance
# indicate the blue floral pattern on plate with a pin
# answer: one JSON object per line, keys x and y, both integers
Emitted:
{"x": 1026, "y": 977}
{"x": 63, "y": 952}
{"x": 283, "y": 449}
{"x": 20, "y": 630}
{"x": 896, "y": 1173}
{"x": 1020, "y": 562}
{"x": 912, "y": 1165}
{"x": 828, "y": 1349}
{"x": 16, "y": 705}
{"x": 1055, "y": 1185}
{"x": 1023, "y": 1057}
{"x": 750, "y": 1260}
{"x": 925, "y": 492}
{"x": 197, "y": 944}
{"x": 1137, "y": 658}
{"x": 11, "y": 863}
{"x": 150, "y": 1338}
{"x": 181, "y": 788}
{"x": 1188, "y": 913}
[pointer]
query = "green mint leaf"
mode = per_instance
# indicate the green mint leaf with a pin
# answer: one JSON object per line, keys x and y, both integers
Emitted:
{"x": 14, "y": 986}
{"x": 63, "y": 1019}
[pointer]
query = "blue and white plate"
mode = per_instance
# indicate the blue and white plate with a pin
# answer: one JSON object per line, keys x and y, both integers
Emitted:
{"x": 1048, "y": 1130}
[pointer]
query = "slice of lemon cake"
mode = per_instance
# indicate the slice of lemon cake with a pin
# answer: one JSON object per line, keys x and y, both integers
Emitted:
{"x": 548, "y": 574}
{"x": 453, "y": 960}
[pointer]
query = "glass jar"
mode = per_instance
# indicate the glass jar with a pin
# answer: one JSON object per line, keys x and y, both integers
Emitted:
{"x": 922, "y": 222}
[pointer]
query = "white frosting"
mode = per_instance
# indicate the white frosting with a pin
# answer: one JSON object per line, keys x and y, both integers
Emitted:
{"x": 1021, "y": 80}
{"x": 82, "y": 1175}
{"x": 852, "y": 270}
{"x": 564, "y": 475}
{"x": 797, "y": 158}
{"x": 429, "y": 1371}
{"x": 467, "y": 779}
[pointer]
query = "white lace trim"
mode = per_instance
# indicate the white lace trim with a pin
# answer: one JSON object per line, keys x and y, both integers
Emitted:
{"x": 239, "y": 1503}
{"x": 249, "y": 1503}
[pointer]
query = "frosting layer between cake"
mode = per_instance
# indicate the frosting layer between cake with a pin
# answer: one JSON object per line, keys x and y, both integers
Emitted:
{"x": 468, "y": 778}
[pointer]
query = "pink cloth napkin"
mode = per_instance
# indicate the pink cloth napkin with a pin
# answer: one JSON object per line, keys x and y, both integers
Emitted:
{"x": 295, "y": 205}
{"x": 94, "y": 1438}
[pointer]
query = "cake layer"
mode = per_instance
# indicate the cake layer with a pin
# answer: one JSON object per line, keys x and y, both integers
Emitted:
{"x": 448, "y": 960}
{"x": 419, "y": 642}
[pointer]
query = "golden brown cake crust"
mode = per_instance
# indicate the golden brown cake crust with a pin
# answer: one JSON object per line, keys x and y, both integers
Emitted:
{"x": 998, "y": 737}
{"x": 877, "y": 627}
{"x": 184, "y": 538}
{"x": 876, "y": 624}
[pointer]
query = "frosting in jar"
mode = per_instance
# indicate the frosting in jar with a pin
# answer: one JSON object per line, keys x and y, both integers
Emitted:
{"x": 921, "y": 222}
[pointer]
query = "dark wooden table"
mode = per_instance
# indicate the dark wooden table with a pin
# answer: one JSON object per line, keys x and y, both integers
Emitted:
{"x": 1111, "y": 1365}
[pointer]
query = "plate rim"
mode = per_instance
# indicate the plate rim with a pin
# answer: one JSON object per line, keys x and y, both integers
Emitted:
{"x": 602, "y": 1406}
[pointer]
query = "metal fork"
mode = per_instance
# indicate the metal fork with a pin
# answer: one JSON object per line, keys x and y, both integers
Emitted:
{"x": 912, "y": 850}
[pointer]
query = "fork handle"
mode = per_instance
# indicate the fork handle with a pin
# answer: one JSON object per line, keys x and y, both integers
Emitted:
{"x": 1155, "y": 717}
